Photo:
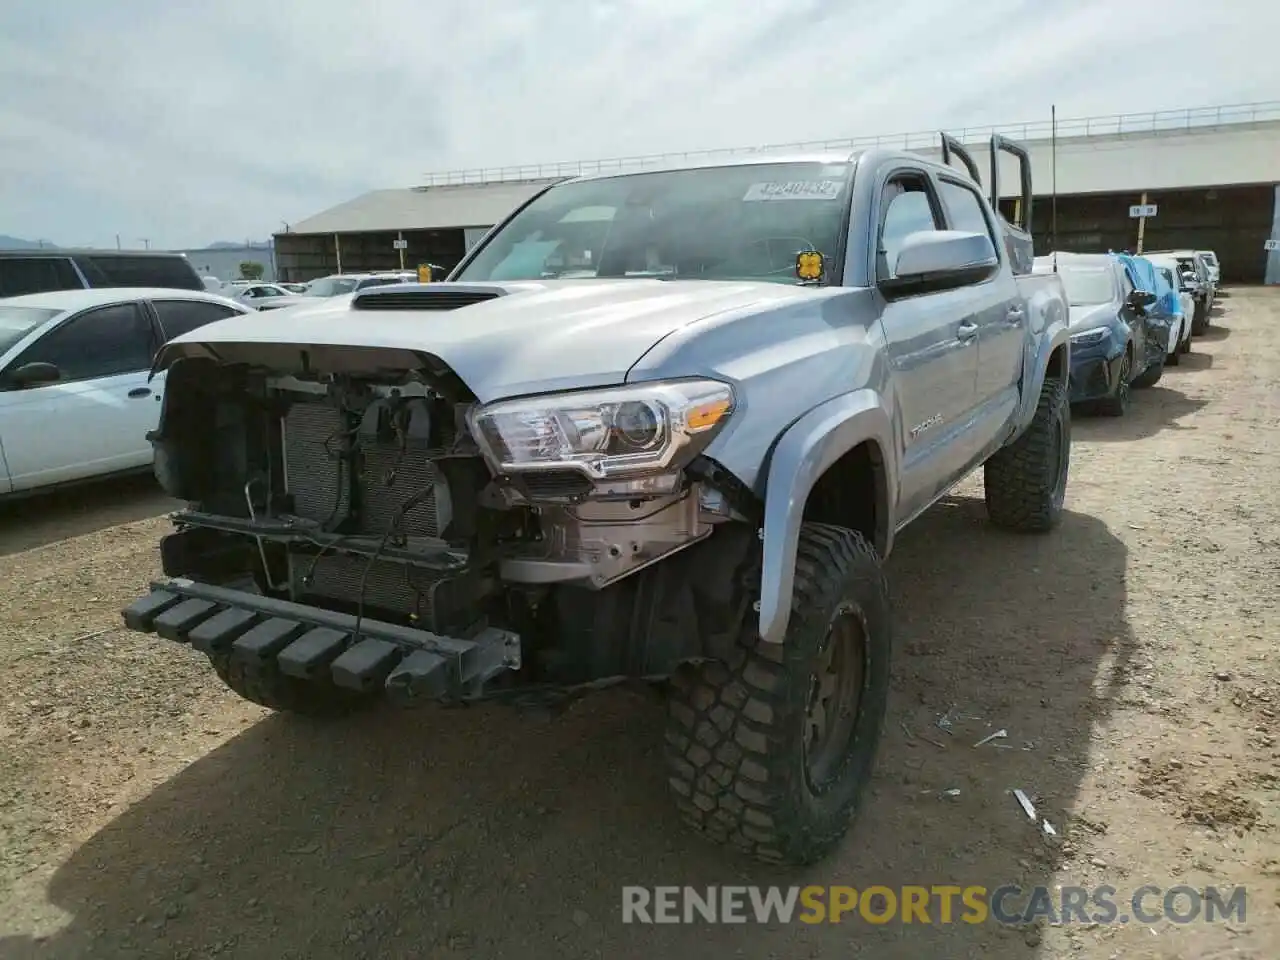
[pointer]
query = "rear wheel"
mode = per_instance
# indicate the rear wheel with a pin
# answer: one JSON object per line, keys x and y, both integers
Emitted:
{"x": 1026, "y": 482}
{"x": 771, "y": 751}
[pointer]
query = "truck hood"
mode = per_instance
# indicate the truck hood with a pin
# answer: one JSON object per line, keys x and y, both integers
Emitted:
{"x": 531, "y": 337}
{"x": 1091, "y": 315}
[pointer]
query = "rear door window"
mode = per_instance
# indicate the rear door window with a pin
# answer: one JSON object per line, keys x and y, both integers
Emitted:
{"x": 19, "y": 275}
{"x": 964, "y": 209}
{"x": 182, "y": 316}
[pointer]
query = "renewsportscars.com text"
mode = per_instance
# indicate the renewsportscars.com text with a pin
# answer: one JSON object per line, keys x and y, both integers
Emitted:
{"x": 937, "y": 904}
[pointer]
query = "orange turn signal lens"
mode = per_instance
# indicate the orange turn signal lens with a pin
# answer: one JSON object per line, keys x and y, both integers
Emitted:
{"x": 706, "y": 415}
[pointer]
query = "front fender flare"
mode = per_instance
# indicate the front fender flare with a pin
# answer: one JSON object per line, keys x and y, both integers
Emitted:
{"x": 803, "y": 453}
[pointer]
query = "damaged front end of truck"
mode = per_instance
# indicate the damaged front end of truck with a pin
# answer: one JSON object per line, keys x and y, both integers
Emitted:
{"x": 357, "y": 522}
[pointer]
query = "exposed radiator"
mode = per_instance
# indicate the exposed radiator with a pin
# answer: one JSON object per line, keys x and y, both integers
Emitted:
{"x": 389, "y": 474}
{"x": 319, "y": 480}
{"x": 389, "y": 585}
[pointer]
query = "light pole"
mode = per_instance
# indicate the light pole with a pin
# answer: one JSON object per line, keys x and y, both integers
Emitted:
{"x": 146, "y": 243}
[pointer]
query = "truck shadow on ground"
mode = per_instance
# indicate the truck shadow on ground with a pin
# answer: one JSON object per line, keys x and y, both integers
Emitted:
{"x": 1217, "y": 331}
{"x": 488, "y": 832}
{"x": 47, "y": 518}
{"x": 1151, "y": 411}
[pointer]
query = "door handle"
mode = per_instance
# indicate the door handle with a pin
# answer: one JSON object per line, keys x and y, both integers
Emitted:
{"x": 1015, "y": 313}
{"x": 137, "y": 392}
{"x": 967, "y": 331}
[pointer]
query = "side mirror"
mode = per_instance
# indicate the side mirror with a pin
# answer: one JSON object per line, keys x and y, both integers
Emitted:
{"x": 1141, "y": 299}
{"x": 941, "y": 260}
{"x": 33, "y": 375}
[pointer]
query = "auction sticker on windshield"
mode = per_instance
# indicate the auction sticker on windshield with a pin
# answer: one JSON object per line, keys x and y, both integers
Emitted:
{"x": 794, "y": 190}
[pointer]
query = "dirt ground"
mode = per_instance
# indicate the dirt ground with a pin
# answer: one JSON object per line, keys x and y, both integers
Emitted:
{"x": 146, "y": 812}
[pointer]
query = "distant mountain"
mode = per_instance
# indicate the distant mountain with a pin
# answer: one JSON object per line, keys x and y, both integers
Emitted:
{"x": 17, "y": 243}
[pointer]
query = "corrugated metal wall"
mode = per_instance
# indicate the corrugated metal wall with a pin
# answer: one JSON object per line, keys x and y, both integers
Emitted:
{"x": 1232, "y": 221}
{"x": 302, "y": 257}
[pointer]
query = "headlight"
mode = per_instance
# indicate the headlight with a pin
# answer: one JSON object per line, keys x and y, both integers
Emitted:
{"x": 604, "y": 433}
{"x": 1087, "y": 338}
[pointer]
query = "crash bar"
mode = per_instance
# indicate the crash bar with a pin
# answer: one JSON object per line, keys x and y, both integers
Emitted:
{"x": 1115, "y": 124}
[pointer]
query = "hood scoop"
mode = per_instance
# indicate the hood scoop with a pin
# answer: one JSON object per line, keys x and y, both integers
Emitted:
{"x": 425, "y": 296}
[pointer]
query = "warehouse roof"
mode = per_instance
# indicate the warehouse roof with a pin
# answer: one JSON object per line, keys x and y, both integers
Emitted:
{"x": 423, "y": 208}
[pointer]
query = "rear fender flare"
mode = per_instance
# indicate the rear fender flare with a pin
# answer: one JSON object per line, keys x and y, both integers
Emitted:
{"x": 1037, "y": 368}
{"x": 802, "y": 454}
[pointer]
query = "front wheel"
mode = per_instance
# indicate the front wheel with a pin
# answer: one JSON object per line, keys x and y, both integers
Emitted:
{"x": 1026, "y": 482}
{"x": 771, "y": 751}
{"x": 1117, "y": 405}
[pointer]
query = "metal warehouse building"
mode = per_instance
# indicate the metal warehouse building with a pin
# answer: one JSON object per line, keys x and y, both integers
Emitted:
{"x": 1211, "y": 174}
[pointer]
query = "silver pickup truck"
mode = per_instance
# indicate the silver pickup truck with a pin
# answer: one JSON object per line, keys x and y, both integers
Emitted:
{"x": 659, "y": 427}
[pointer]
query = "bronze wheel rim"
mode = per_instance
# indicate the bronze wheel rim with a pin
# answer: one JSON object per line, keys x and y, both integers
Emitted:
{"x": 834, "y": 699}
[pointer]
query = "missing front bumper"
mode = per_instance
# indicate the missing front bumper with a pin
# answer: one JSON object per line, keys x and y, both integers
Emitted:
{"x": 313, "y": 643}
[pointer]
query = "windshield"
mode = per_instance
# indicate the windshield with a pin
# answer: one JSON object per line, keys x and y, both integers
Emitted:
{"x": 17, "y": 322}
{"x": 720, "y": 223}
{"x": 1088, "y": 286}
{"x": 331, "y": 286}
{"x": 1168, "y": 277}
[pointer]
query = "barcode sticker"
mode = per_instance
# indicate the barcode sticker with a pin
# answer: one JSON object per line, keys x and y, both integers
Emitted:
{"x": 794, "y": 190}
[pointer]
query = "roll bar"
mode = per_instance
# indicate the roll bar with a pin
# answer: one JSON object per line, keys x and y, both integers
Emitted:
{"x": 950, "y": 145}
{"x": 1003, "y": 144}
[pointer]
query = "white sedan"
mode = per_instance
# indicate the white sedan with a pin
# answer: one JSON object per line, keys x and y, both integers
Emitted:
{"x": 264, "y": 296}
{"x": 75, "y": 399}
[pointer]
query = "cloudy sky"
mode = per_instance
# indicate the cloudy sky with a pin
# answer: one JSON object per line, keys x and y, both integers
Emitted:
{"x": 189, "y": 123}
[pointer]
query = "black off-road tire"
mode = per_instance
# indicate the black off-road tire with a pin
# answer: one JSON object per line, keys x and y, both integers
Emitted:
{"x": 268, "y": 687}
{"x": 1150, "y": 376}
{"x": 1026, "y": 482}
{"x": 736, "y": 743}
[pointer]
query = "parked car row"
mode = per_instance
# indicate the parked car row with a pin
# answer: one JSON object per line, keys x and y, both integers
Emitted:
{"x": 338, "y": 284}
{"x": 1131, "y": 316}
{"x": 25, "y": 272}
